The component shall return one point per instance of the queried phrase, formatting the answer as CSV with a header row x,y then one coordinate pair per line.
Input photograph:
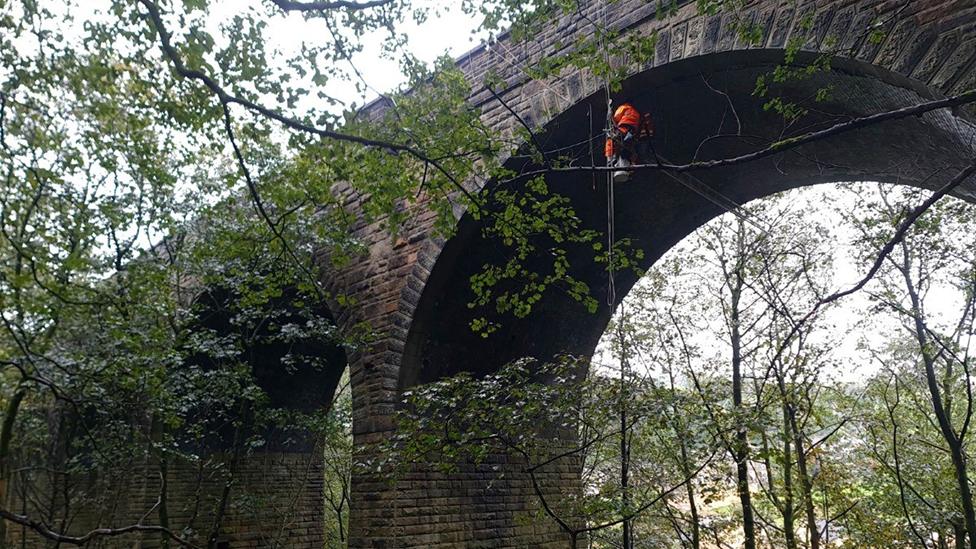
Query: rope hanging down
x,y
689,181
708,193
611,239
611,206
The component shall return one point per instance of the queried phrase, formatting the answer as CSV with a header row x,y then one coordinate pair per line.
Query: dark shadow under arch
x,y
693,101
297,374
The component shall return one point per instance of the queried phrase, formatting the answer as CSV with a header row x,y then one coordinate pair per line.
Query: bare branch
x,y
906,224
259,204
287,5
782,145
84,539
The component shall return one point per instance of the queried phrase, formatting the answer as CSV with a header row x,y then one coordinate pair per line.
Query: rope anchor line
x,y
707,192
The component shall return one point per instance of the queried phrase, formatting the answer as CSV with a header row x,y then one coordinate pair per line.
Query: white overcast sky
x,y
853,325
450,32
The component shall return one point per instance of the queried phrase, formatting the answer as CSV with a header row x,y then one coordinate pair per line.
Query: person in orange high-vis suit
x,y
629,141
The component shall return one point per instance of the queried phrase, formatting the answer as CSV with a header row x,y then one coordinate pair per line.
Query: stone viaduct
x,y
414,289
699,84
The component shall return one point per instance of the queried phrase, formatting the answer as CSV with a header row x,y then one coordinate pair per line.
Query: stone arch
x,y
656,213
927,52
691,99
276,497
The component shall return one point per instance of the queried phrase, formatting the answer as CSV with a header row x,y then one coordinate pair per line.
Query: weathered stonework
x,y
407,287
275,501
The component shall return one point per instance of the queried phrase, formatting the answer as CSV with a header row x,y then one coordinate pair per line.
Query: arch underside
x,y
296,374
704,108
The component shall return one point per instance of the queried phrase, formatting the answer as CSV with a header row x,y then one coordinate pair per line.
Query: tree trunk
x,y
6,434
965,494
156,434
806,487
741,447
944,421
686,468
627,535
789,527
806,484
163,497
237,449
692,502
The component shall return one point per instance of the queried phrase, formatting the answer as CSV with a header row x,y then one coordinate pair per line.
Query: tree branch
x,y
287,5
259,204
227,98
84,539
782,145
907,223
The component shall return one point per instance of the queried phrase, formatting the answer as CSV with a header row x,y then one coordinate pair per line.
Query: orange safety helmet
x,y
627,115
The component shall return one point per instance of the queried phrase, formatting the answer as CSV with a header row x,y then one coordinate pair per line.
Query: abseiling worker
x,y
629,141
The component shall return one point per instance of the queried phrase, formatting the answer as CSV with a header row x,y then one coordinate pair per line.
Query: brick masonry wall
x,y
930,42
276,501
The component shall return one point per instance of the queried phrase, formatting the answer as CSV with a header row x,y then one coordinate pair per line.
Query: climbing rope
x,y
611,239
611,193
707,192
689,181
